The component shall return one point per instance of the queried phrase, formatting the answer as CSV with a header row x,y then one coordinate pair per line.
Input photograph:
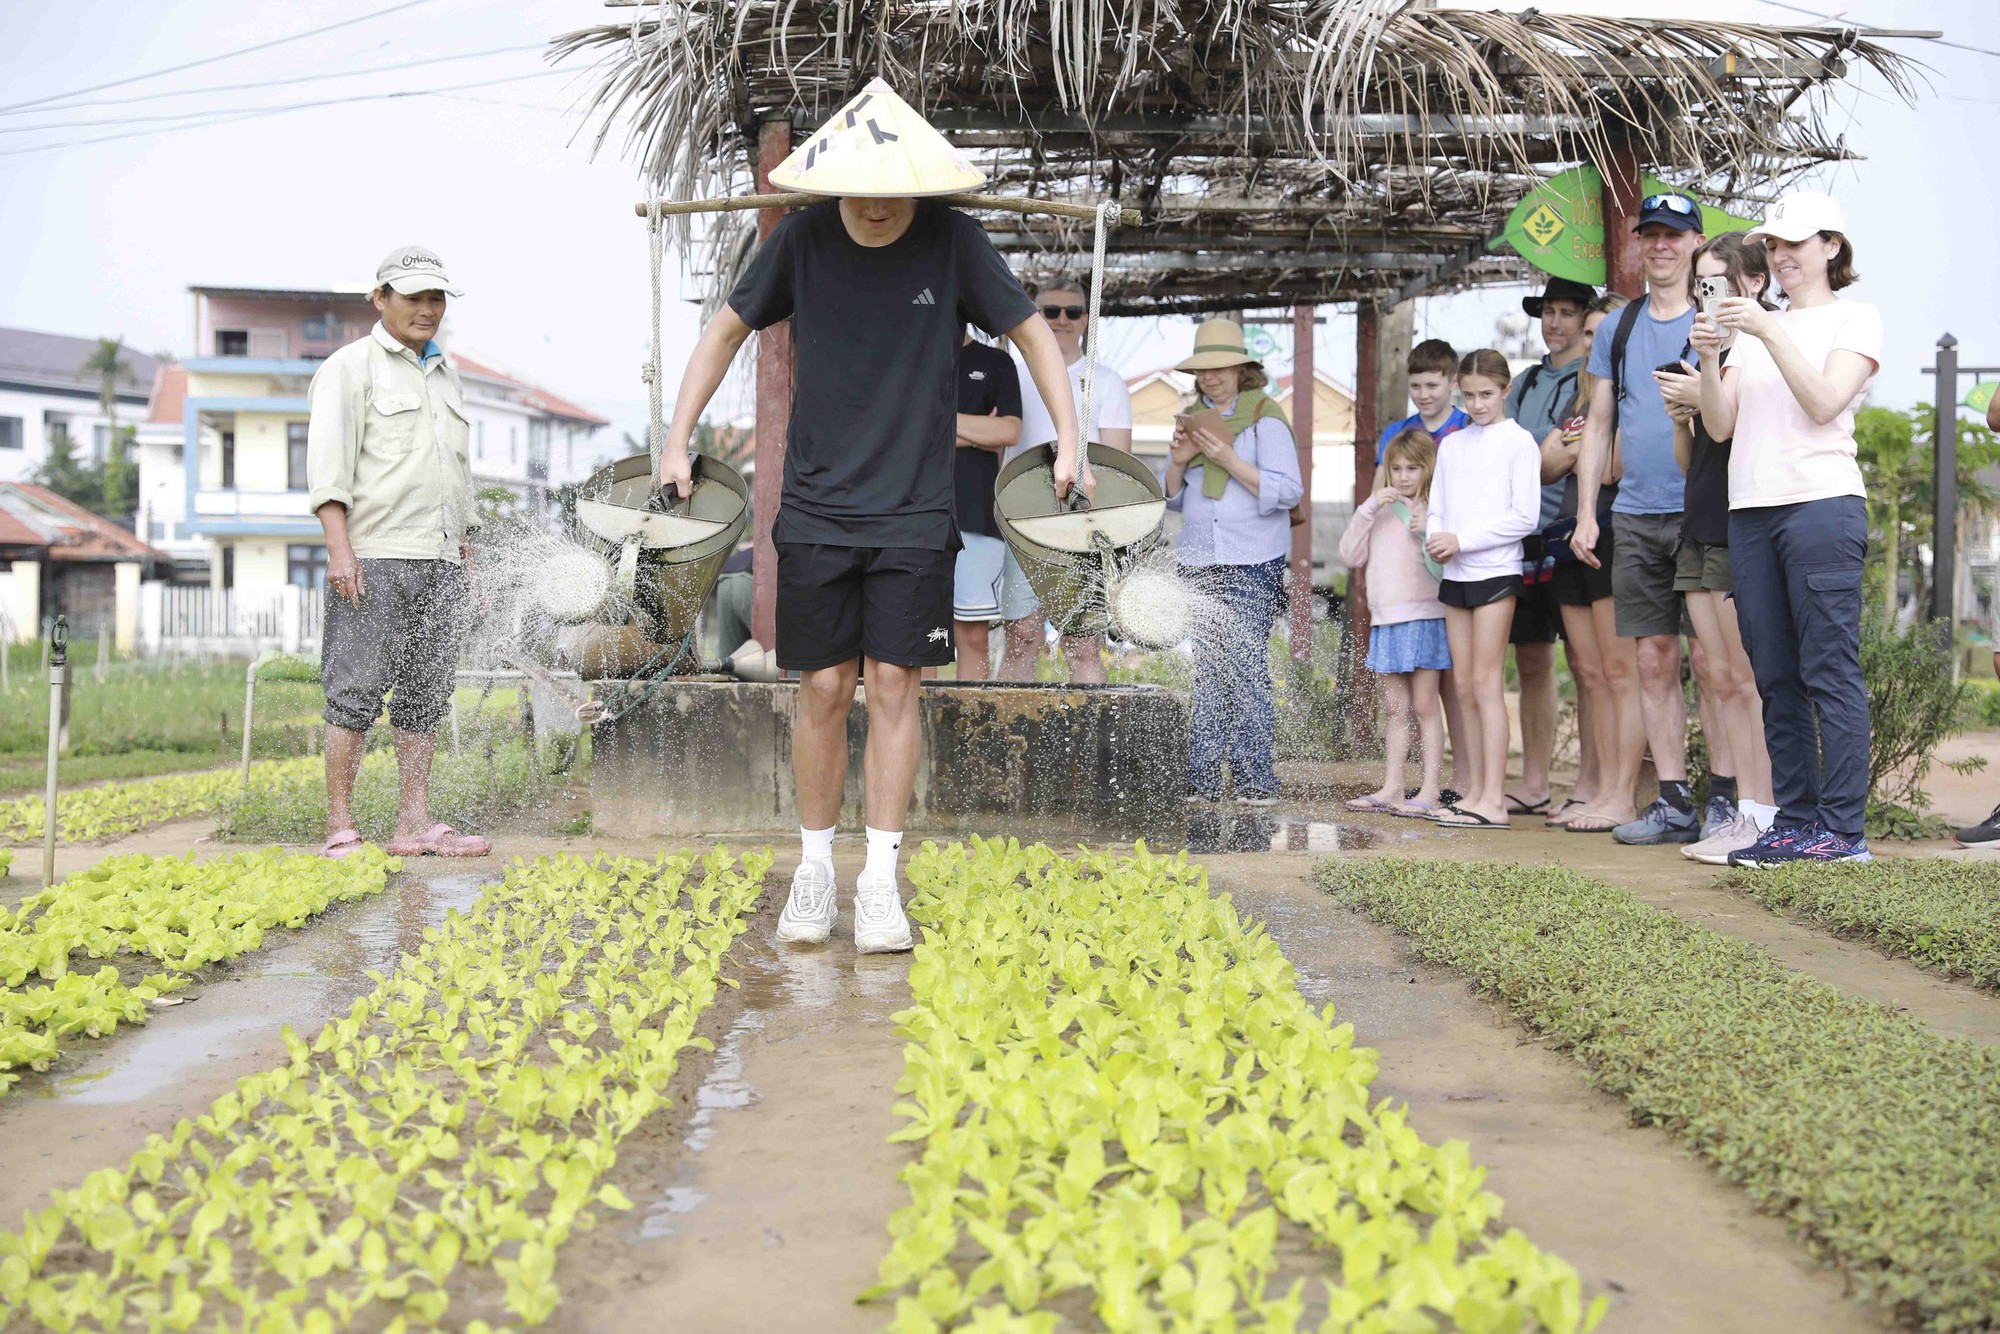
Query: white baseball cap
x,y
1796,216
411,269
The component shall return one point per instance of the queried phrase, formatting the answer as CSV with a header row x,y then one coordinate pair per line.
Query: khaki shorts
x,y
1642,575
1701,568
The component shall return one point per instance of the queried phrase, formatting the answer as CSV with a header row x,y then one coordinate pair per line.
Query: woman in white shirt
x,y
1798,521
1063,305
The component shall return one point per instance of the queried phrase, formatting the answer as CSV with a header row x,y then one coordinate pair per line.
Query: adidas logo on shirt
x,y
924,298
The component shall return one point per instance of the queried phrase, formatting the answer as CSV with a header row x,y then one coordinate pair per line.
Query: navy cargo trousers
x,y
1796,572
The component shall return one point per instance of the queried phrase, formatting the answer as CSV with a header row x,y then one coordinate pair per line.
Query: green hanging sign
x,y
1559,226
1980,397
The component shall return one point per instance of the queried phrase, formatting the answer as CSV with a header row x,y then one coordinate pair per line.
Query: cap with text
x,y
1799,215
412,269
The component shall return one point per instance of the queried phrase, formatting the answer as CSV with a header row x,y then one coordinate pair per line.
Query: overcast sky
x,y
103,238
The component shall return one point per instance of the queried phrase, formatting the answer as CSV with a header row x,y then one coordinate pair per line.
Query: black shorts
x,y
1576,584
1467,594
835,604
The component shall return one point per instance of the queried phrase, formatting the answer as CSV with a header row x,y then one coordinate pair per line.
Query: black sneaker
x,y
1772,845
1985,834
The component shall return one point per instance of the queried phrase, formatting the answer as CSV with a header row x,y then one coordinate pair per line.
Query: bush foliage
x,y
1945,914
1870,1135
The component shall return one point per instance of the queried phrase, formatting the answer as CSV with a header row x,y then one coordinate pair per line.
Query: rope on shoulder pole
x,y
1107,211
656,247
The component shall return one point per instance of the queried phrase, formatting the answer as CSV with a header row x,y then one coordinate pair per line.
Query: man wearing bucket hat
x,y
878,279
388,477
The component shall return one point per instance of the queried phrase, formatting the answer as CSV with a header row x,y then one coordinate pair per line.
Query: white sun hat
x,y
1799,215
877,146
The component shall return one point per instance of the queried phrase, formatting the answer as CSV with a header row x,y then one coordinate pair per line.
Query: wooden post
x,y
1368,410
1623,272
1304,388
1944,495
774,410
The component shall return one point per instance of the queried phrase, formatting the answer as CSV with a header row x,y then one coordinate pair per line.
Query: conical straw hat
x,y
877,146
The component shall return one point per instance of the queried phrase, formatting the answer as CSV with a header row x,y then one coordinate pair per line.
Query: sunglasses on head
x,y
1062,312
1672,203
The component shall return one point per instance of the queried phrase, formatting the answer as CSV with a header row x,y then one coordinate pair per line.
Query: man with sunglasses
x,y
1646,515
1062,303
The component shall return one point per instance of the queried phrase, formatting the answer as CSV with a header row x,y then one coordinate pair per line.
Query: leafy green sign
x,y
1559,226
1980,397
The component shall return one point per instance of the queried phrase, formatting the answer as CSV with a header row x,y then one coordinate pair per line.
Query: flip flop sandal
x,y
1559,817
1472,820
1516,806
1591,824
1414,810
440,840
341,844
1367,804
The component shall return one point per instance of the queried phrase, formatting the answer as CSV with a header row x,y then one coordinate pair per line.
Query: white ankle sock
x,y
883,847
1759,812
816,845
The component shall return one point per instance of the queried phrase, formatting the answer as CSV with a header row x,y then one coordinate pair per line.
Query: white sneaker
x,y
879,924
808,915
1733,836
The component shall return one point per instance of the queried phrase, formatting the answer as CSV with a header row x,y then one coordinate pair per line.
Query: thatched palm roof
x,y
1280,150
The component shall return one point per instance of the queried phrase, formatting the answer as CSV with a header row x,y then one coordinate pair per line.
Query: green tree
x,y
68,476
107,365
120,485
1897,452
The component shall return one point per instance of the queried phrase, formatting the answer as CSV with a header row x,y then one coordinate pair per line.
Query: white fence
x,y
197,619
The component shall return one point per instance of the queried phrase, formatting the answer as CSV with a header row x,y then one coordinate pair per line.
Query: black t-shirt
x,y
1705,507
875,344
987,386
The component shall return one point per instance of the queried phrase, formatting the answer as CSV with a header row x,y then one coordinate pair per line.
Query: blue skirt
x,y
1408,647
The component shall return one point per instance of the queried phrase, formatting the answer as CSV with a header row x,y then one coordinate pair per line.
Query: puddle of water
x,y
1213,831
659,1219
725,1088
300,978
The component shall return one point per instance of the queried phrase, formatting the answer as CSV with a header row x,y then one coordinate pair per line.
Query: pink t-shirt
x,y
1781,456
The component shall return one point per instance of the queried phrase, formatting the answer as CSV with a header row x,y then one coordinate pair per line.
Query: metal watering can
x,y
1073,550
665,552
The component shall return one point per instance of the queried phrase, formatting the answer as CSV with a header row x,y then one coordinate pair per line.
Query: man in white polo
x,y
389,480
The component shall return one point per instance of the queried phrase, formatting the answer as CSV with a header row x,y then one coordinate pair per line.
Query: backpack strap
x,y
1628,319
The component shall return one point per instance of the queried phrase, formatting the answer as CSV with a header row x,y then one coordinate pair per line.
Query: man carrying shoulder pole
x,y
878,282
390,482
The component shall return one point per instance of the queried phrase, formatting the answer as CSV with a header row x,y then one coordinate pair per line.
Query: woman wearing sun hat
x,y
1235,492
1798,520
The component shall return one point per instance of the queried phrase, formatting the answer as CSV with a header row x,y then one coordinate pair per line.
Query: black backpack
x,y
1628,318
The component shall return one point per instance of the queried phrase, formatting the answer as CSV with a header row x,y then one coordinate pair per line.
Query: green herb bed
x,y
121,808
168,911
1120,1094
468,791
1875,1139
421,1160
1944,914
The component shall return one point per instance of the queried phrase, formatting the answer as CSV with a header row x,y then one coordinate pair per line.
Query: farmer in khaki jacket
x,y
388,477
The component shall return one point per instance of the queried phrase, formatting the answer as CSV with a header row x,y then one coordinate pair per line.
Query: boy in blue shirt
x,y
1433,368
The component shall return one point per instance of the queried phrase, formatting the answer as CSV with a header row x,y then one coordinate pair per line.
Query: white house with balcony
x,y
222,457
43,393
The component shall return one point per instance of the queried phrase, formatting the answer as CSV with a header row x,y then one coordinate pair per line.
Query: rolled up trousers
x,y
1797,581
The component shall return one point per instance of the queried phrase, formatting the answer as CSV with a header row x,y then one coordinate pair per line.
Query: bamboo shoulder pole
x,y
996,203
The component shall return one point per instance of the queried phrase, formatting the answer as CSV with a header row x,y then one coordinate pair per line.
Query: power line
x,y
210,60
218,117
280,83
1841,18
207,112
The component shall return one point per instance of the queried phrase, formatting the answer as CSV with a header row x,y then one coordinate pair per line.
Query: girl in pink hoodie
x,y
1407,648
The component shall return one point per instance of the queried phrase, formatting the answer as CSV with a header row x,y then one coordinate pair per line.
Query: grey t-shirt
x,y
1536,402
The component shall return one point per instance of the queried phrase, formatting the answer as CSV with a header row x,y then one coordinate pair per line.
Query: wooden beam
x,y
1304,386
766,200
1622,268
774,412
1160,124
1367,426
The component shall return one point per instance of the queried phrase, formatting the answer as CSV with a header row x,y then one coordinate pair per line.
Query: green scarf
x,y
1251,406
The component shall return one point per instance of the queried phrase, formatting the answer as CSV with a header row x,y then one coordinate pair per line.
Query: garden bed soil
x,y
762,1200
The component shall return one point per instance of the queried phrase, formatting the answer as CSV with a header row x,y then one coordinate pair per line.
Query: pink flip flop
x,y
341,844
440,840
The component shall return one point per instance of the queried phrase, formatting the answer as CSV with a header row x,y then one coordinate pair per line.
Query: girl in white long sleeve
x,y
1485,497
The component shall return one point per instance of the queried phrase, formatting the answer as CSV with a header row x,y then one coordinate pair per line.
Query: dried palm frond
x,y
1356,117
